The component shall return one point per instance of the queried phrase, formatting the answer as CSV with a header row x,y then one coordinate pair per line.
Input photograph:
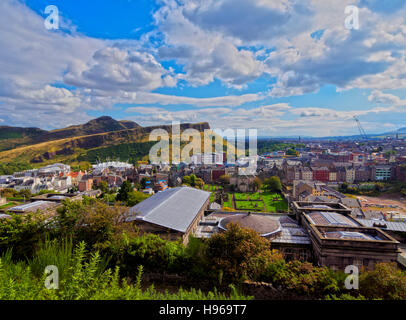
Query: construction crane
x,y
361,129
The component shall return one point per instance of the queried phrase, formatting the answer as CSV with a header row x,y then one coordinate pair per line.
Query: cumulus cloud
x,y
56,77
205,55
113,68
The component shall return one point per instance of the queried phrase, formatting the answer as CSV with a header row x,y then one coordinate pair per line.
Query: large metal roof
x,y
174,208
384,225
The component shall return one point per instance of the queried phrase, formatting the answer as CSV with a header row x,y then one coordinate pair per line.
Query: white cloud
x,y
118,69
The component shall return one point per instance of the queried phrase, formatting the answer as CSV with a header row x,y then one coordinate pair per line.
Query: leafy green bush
x,y
303,278
386,281
87,280
239,253
22,233
153,253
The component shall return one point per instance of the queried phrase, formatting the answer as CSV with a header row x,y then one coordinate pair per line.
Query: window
x,y
288,254
303,256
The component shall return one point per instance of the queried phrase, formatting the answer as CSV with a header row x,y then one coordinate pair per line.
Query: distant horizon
x,y
293,137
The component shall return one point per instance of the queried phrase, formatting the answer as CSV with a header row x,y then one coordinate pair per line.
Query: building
x,y
283,232
302,190
401,173
33,207
321,174
306,174
349,175
383,173
57,198
85,184
207,158
341,246
338,240
172,214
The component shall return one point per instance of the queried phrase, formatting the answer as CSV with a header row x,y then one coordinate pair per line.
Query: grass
x,y
249,205
240,196
212,197
255,196
229,202
274,202
6,205
263,202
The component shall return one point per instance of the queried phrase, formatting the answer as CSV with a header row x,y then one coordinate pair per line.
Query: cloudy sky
x,y
284,67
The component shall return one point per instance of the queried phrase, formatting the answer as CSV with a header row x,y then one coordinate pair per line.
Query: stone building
x,y
338,240
172,214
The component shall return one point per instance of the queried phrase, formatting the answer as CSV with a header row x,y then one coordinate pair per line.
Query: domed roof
x,y
265,226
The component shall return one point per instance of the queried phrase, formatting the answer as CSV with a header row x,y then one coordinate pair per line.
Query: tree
x,y
136,197
103,186
239,253
273,184
99,225
190,180
199,183
21,233
303,278
256,184
144,182
125,189
25,193
224,179
292,152
386,281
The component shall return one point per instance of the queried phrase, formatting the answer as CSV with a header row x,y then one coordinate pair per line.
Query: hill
x,y
12,137
100,139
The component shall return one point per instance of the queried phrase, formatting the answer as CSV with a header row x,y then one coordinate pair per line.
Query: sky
x,y
283,67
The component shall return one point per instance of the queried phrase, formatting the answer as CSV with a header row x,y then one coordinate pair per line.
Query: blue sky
x,y
284,67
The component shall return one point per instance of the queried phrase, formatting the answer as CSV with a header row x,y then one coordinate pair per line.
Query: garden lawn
x,y
229,202
240,196
274,202
249,205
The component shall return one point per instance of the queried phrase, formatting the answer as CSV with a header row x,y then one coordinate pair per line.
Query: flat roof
x,y
330,219
30,207
350,235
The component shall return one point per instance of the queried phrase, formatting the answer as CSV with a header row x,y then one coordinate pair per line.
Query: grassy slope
x,y
78,147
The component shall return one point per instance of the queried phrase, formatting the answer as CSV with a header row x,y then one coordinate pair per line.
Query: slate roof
x,y
174,208
384,225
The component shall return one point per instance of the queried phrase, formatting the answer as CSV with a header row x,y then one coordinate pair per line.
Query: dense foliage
x,y
266,145
11,167
272,184
82,278
117,249
131,152
239,253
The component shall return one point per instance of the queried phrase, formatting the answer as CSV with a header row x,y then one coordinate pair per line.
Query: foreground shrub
x,y
154,253
86,280
303,278
239,253
386,281
22,233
